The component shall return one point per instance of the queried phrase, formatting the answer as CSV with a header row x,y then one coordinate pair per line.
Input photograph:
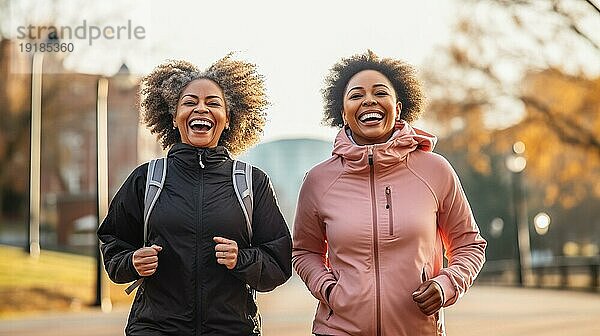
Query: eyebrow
x,y
194,96
375,85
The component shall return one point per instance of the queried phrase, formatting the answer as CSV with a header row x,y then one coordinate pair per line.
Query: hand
x,y
226,252
145,260
428,297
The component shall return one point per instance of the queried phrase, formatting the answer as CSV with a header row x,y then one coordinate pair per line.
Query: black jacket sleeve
x,y
268,263
122,231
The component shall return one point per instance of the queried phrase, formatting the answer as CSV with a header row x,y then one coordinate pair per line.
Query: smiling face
x,y
370,107
201,113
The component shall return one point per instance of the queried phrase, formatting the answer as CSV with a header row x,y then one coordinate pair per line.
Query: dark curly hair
x,y
402,76
242,87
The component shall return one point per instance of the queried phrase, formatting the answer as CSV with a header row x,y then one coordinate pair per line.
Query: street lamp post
x,y
102,290
122,80
35,148
516,164
36,158
541,224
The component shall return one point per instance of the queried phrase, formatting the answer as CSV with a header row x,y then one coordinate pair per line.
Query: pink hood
x,y
405,139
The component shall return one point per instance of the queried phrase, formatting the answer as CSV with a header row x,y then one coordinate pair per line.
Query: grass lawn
x,y
53,282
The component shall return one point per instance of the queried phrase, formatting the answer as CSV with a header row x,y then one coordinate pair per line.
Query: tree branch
x,y
591,3
571,22
568,131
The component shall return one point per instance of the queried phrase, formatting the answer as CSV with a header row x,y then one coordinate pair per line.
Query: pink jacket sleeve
x,y
310,244
465,248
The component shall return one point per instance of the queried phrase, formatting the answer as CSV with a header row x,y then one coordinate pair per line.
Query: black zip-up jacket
x,y
190,293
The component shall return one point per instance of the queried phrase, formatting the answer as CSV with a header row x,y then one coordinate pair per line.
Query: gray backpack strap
x,y
242,183
157,172
155,180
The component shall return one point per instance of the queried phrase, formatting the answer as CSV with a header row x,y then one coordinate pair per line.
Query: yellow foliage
x,y
559,153
552,193
561,121
570,171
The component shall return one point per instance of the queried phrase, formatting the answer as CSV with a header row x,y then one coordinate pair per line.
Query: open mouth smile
x,y
371,117
201,125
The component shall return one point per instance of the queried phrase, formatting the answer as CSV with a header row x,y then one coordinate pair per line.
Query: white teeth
x,y
201,122
371,115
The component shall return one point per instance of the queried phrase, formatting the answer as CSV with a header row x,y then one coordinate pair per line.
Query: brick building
x,y
68,154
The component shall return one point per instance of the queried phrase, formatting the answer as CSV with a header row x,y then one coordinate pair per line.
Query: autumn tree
x,y
525,71
14,135
15,110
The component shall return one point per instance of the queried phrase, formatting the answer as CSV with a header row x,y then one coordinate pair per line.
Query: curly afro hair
x,y
402,76
242,87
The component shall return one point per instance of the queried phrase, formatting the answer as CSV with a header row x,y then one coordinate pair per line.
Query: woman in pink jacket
x,y
374,220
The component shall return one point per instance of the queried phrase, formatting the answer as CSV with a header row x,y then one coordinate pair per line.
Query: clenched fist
x,y
226,252
428,297
145,260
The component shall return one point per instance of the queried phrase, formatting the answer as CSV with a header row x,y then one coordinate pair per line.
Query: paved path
x,y
488,311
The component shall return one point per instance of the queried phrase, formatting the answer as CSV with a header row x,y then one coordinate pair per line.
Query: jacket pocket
x,y
251,312
140,310
331,300
390,209
437,319
426,272
140,302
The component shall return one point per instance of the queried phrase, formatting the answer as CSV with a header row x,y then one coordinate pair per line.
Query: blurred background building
x,y
69,151
286,162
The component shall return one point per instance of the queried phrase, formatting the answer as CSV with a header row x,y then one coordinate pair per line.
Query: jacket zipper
x,y
200,159
198,291
388,198
375,240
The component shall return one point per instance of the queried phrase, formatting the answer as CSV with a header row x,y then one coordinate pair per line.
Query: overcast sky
x,y
294,43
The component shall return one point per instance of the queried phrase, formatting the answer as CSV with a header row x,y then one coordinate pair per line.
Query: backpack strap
x,y
155,180
242,183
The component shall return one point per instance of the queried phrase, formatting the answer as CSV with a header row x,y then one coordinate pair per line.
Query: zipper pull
x,y
200,159
388,192
370,151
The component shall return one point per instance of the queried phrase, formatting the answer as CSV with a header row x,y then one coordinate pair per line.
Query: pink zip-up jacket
x,y
373,222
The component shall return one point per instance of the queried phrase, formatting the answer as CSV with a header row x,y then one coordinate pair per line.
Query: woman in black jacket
x,y
200,266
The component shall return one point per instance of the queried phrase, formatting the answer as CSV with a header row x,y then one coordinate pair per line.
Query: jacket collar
x,y
404,140
191,155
